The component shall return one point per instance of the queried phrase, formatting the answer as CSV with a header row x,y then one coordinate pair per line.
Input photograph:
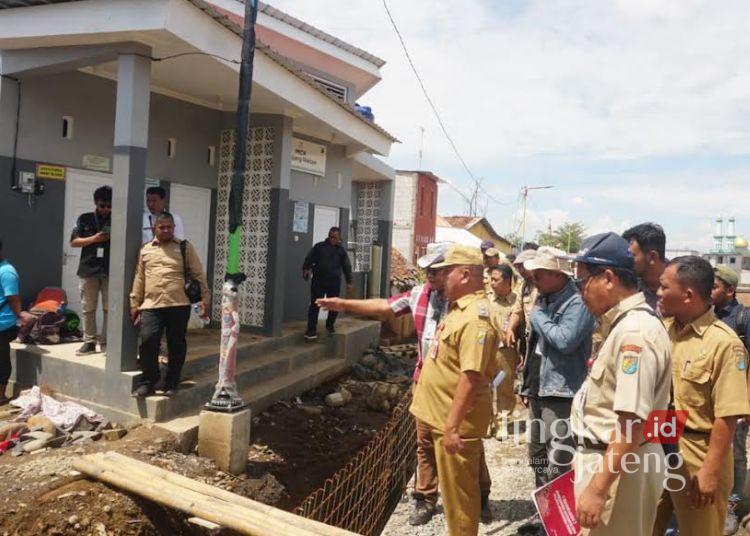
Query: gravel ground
x,y
510,498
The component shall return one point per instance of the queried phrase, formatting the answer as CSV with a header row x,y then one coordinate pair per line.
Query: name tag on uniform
x,y
99,253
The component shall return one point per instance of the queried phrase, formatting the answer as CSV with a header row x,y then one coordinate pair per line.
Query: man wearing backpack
x,y
737,317
159,302
91,234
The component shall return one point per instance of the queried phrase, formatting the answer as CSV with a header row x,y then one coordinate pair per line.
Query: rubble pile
x,y
404,275
392,363
37,422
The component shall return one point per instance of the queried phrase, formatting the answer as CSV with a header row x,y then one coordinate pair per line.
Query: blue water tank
x,y
365,111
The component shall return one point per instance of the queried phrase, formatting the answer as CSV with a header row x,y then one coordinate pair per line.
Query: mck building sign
x,y
308,157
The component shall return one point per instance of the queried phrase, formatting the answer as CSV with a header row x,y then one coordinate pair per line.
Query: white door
x,y
193,205
79,198
324,219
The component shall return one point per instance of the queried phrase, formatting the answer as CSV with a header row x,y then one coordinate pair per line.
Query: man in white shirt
x,y
156,201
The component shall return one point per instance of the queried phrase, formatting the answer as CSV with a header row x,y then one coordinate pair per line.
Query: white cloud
x,y
610,81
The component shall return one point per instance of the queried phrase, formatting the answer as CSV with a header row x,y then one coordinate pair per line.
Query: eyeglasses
x,y
583,281
104,205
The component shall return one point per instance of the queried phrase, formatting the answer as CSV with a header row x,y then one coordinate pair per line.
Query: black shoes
x,y
423,512
331,329
486,515
87,349
311,335
143,391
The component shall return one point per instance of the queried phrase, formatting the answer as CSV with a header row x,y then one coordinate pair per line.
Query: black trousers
x,y
6,336
320,288
154,322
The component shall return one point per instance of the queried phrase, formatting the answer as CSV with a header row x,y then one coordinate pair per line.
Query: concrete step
x,y
265,394
252,371
195,367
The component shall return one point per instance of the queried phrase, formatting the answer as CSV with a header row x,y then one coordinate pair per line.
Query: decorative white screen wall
x,y
256,216
368,215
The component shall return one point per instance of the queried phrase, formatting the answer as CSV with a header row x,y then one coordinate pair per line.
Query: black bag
x,y
192,286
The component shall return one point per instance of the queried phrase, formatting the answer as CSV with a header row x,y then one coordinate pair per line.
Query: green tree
x,y
566,236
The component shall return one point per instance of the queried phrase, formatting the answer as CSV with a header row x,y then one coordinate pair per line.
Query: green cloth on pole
x,y
233,261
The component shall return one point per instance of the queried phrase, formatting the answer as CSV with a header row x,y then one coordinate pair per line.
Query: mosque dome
x,y
740,243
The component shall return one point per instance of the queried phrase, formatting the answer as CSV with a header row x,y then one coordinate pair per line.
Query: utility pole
x,y
525,194
226,397
421,147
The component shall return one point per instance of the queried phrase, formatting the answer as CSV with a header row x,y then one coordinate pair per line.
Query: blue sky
x,y
634,110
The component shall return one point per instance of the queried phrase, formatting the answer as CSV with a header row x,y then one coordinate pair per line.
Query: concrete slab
x,y
64,352
185,430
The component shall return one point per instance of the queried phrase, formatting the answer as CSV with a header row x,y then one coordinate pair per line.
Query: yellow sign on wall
x,y
47,171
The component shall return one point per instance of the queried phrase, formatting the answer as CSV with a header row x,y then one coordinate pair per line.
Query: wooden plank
x,y
198,499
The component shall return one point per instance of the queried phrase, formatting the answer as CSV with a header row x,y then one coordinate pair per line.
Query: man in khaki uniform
x,y
492,258
521,311
453,395
708,377
502,301
619,477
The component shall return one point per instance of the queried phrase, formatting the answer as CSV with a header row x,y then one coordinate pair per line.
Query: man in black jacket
x,y
325,262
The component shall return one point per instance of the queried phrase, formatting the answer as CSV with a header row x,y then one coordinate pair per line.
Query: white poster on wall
x,y
308,157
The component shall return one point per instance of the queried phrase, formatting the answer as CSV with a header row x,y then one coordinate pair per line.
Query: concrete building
x,y
415,212
730,249
471,231
138,92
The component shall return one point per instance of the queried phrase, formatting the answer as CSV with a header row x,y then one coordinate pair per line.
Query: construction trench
x,y
340,453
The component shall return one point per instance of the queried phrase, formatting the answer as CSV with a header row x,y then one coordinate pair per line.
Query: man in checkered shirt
x,y
428,305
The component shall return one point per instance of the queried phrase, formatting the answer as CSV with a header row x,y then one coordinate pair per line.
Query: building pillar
x,y
385,234
279,227
129,172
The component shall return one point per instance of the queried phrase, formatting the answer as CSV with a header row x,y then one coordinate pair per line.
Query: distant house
x,y
414,212
469,230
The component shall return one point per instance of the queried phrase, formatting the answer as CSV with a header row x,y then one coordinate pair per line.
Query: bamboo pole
x,y
196,498
151,471
184,500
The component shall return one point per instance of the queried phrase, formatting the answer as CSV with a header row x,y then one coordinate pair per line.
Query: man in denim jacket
x,y
555,367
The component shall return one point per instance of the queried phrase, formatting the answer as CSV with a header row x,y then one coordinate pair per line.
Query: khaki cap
x,y
549,258
726,274
492,252
524,256
459,254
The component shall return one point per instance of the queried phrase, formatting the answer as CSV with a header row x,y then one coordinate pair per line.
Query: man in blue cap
x,y
619,476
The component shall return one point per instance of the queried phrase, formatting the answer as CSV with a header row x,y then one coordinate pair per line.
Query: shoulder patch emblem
x,y
740,357
480,338
483,310
631,354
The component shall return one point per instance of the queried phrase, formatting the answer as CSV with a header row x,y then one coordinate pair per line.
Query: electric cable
x,y
436,113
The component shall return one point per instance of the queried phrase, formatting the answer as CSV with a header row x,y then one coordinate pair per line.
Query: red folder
x,y
556,505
